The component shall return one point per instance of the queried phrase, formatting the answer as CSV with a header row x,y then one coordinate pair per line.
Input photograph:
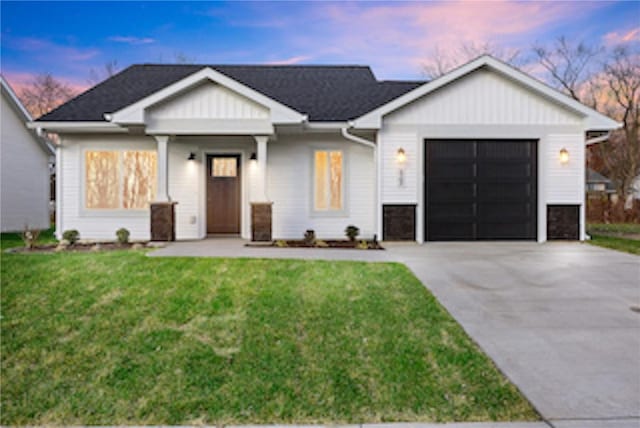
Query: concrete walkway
x,y
556,318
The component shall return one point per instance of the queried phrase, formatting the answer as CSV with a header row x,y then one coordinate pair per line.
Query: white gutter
x,y
599,139
360,140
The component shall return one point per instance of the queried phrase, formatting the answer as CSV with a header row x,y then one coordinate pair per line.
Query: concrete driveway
x,y
555,318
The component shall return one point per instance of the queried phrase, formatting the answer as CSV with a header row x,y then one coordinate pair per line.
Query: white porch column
x,y
261,141
163,168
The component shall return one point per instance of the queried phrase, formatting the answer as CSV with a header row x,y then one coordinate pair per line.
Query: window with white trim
x,y
124,179
328,180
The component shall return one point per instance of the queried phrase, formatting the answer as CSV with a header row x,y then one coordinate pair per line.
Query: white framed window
x,y
119,179
328,181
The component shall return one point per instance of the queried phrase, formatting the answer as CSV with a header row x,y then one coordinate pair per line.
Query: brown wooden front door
x,y
223,194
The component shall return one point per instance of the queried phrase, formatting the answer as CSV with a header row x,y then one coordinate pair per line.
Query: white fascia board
x,y
595,120
14,100
77,127
134,113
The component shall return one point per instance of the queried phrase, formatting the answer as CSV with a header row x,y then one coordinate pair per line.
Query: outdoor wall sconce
x,y
401,158
192,156
253,156
564,156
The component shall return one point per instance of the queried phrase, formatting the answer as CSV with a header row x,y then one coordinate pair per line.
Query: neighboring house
x,y
598,183
24,159
483,152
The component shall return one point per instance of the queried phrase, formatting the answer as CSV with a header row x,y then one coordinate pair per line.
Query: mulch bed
x,y
338,243
80,247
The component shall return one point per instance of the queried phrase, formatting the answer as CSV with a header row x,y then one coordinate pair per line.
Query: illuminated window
x,y
120,179
328,181
224,167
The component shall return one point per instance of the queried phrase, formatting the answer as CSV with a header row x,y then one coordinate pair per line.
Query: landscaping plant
x,y
352,232
72,236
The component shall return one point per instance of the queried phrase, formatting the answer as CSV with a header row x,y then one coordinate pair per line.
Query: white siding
x,y
565,182
483,97
209,101
290,187
24,197
95,224
394,189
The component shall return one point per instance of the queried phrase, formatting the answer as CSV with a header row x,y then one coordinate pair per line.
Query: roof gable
x,y
134,113
594,119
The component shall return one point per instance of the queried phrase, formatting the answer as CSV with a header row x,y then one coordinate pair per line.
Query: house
x,y
598,184
483,152
25,173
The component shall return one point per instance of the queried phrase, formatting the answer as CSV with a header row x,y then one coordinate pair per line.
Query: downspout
x,y
374,147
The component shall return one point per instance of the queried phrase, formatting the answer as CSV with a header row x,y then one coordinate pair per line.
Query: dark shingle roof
x,y
324,93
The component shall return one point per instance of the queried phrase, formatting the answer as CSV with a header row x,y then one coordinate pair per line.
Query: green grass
x,y
615,228
621,244
120,338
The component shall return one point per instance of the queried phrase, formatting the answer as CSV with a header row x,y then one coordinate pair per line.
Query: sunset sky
x,y
68,39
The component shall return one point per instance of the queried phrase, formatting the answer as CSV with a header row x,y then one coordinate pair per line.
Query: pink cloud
x,y
47,49
616,38
392,37
290,61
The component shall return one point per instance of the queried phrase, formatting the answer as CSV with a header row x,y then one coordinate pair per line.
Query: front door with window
x,y
223,194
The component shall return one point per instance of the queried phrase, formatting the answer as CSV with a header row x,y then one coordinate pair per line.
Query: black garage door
x,y
480,189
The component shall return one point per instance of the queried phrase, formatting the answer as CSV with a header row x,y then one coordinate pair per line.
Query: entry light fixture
x,y
253,156
192,156
564,156
401,156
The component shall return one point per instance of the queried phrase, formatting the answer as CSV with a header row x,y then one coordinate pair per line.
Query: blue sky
x,y
68,39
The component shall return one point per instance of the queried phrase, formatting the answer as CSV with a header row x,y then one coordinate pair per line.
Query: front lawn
x,y
616,236
120,338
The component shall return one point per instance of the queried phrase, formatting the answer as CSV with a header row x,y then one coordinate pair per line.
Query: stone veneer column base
x,y
563,222
163,227
261,213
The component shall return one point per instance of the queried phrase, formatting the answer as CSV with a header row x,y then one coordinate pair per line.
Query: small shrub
x,y
123,236
310,237
352,232
281,244
30,237
71,235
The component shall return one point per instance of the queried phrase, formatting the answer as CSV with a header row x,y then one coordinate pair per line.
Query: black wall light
x,y
253,156
192,156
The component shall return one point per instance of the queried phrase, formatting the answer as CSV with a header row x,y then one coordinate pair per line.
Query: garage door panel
x,y
453,170
502,230
494,213
452,231
480,189
460,149
496,192
452,191
504,170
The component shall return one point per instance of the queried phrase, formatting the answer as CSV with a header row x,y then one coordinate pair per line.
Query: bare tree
x,y
44,93
441,61
621,155
568,65
110,69
608,81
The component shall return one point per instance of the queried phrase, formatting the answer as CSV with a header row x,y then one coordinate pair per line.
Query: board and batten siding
x,y
209,101
484,105
290,187
96,224
25,175
486,98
